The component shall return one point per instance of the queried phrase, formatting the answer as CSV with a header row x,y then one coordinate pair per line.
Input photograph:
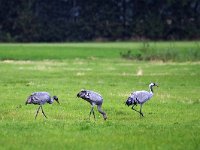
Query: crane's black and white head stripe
x,y
153,84
82,93
56,99
129,101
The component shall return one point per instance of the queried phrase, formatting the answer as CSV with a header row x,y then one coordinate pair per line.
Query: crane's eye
x,y
55,97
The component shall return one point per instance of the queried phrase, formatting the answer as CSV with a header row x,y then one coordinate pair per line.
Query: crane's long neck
x,y
50,101
151,88
102,112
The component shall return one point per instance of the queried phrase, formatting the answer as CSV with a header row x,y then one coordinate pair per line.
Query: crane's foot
x,y
94,115
43,112
141,114
37,111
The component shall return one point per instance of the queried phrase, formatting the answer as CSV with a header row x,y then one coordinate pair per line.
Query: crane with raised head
x,y
140,97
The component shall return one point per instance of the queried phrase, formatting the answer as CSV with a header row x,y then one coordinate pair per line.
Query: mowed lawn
x,y
171,118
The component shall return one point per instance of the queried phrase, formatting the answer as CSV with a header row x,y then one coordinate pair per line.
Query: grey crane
x,y
140,97
40,98
94,99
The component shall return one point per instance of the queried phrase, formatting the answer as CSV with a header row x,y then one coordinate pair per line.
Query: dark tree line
x,y
83,20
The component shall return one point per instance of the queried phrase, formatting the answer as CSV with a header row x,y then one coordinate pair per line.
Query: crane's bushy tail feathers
x,y
28,101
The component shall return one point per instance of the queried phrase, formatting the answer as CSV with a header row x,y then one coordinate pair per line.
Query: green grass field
x,y
164,51
172,116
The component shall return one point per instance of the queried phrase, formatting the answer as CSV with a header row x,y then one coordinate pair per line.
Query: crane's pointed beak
x,y
78,95
126,104
58,102
156,84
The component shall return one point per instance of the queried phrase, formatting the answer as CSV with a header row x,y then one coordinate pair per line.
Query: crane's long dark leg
x,y
140,112
135,109
102,112
37,111
43,112
92,111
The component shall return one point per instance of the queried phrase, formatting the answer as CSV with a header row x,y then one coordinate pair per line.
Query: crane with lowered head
x,y
40,98
94,99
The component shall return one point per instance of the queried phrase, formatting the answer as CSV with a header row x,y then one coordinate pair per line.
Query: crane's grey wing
x,y
32,99
142,96
40,97
41,94
94,97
